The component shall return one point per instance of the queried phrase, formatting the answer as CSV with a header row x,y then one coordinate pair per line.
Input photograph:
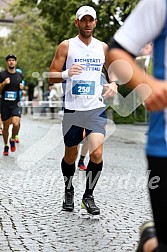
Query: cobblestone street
x,y
31,193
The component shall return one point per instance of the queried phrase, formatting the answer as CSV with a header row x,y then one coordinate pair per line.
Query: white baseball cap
x,y
85,10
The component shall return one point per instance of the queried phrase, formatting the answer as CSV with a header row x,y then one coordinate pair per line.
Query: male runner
x,y
83,58
10,85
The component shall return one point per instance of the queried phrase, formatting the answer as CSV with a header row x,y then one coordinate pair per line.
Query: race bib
x,y
10,95
81,88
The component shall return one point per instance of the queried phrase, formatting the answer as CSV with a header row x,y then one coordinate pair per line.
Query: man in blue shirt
x,y
148,23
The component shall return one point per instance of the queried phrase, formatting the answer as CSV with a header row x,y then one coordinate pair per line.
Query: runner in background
x,y
52,97
1,124
84,151
85,147
10,85
21,93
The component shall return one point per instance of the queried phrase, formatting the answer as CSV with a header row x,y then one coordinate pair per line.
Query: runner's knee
x,y
96,156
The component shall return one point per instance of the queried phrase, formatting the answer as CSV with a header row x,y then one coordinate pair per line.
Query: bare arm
x,y
105,48
111,88
136,76
56,75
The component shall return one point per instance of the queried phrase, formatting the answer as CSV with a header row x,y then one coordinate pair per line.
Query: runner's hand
x,y
21,86
75,70
110,89
158,98
7,81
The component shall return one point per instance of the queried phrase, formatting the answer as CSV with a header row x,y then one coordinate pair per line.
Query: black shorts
x,y
74,123
9,109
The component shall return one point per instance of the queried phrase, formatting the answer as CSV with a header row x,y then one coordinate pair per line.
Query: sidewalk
x,y
132,132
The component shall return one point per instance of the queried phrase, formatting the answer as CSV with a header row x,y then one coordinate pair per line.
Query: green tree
x,y
29,42
111,14
59,16
41,27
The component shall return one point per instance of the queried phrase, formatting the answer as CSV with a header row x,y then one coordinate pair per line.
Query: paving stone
x,y
31,193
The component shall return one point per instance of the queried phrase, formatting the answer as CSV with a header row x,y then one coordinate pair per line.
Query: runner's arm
x,y
157,99
56,74
4,83
149,16
110,89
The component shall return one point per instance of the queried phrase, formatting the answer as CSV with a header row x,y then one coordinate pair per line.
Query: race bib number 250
x,y
83,88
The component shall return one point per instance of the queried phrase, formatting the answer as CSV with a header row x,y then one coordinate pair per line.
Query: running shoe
x,y
147,231
0,131
81,165
88,203
17,139
12,145
6,150
68,203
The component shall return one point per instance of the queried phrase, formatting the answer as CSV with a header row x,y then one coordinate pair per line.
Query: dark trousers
x,y
158,195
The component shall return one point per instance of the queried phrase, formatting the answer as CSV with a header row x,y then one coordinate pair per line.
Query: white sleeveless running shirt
x,y
84,91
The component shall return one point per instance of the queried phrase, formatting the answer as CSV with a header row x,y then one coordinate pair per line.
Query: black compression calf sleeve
x,y
161,248
68,173
157,188
92,175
